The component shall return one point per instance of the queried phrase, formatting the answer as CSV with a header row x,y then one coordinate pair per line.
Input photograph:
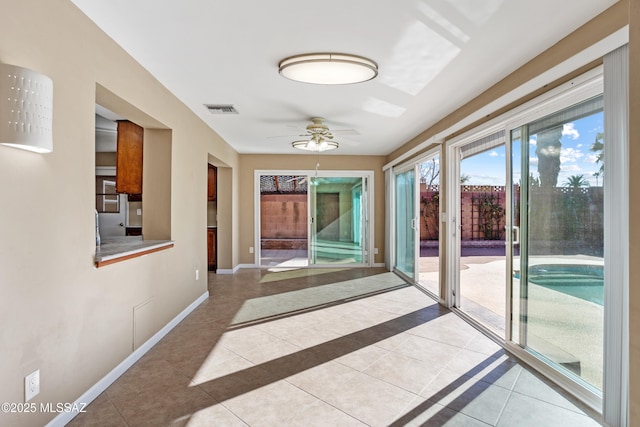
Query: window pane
x,y
564,265
429,271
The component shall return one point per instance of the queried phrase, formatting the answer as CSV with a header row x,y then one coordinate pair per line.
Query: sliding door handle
x,y
515,235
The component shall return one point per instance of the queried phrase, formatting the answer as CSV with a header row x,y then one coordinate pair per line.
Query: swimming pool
x,y
581,281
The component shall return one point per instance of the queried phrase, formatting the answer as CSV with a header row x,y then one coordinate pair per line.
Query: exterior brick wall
x,y
283,216
562,218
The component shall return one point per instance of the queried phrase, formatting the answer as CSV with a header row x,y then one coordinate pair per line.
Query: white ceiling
x,y
433,56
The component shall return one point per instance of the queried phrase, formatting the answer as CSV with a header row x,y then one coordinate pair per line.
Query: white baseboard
x,y
235,269
88,396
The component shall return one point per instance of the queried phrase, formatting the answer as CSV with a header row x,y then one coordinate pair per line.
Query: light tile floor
x,y
391,359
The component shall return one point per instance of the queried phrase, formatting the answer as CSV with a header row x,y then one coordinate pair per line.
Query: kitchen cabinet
x,y
212,176
133,231
211,248
129,158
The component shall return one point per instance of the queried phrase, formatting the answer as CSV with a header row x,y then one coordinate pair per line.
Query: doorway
x,y
312,218
481,230
527,237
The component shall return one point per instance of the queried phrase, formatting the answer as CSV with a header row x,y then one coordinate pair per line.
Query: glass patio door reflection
x,y
338,228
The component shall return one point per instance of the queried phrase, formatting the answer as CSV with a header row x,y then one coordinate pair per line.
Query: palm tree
x,y
598,148
576,181
597,175
548,150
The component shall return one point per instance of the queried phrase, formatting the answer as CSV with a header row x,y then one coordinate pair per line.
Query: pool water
x,y
581,281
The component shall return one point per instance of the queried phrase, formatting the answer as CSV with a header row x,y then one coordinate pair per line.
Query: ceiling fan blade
x,y
347,141
288,136
320,130
281,136
350,132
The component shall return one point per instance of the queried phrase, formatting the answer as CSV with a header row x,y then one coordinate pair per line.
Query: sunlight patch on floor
x,y
283,273
273,305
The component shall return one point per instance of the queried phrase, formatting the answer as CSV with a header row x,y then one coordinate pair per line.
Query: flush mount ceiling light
x,y
328,68
26,104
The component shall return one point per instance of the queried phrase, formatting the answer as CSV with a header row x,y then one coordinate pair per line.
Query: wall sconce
x,y
26,107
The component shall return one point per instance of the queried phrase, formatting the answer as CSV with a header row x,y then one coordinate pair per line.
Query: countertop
x,y
120,247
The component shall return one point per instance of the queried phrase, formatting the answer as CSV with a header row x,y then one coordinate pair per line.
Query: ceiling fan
x,y
319,137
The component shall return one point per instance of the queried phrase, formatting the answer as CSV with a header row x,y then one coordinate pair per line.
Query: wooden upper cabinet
x,y
129,158
211,183
211,249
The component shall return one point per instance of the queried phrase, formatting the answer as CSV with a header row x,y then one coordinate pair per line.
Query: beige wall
x,y
58,312
249,163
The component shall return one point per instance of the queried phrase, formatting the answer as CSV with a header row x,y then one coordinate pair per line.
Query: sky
x,y
576,157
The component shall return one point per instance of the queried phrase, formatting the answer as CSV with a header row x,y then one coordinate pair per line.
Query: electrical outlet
x,y
31,385
197,274
375,251
250,249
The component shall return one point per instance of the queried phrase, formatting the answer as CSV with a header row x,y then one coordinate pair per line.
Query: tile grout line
x,y
319,399
118,411
506,402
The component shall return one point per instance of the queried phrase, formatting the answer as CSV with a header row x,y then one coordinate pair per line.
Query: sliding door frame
x,y
579,89
368,220
402,169
452,296
580,92
413,164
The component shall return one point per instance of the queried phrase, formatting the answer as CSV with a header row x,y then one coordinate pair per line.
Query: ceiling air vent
x,y
221,108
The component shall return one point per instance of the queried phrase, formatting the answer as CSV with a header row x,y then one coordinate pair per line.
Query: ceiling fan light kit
x,y
319,137
328,68
320,144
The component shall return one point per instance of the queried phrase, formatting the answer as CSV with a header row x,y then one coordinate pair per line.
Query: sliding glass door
x,y
338,226
313,219
417,223
283,213
528,239
428,229
558,278
405,223
481,230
